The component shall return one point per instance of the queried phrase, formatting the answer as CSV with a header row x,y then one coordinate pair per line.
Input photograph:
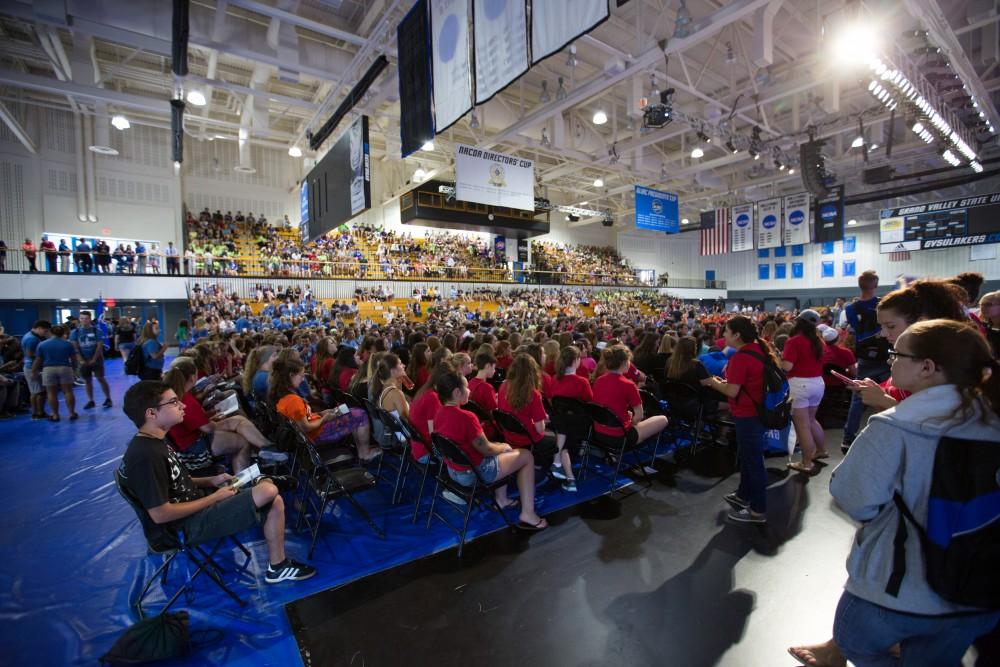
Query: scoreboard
x,y
942,224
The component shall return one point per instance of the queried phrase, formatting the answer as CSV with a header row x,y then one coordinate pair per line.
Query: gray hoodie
x,y
896,453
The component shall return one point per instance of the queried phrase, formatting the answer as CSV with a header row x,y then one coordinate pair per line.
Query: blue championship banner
x,y
656,210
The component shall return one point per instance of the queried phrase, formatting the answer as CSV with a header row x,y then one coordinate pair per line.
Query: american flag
x,y
715,232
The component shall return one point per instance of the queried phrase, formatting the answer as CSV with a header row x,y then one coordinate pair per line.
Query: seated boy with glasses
x,y
204,508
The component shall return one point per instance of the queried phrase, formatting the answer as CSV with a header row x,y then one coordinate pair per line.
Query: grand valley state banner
x,y
494,179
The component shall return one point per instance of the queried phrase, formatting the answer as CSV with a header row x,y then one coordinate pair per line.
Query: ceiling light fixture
x,y
196,97
474,121
598,182
697,152
600,118
685,221
731,147
682,24
419,174
571,60
428,145
120,122
295,151
852,222
560,90
545,98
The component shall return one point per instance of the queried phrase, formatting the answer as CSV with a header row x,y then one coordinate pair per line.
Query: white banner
x,y
555,23
796,219
452,70
494,179
501,29
742,237
769,223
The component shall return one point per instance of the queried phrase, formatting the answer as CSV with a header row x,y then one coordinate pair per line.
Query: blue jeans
x,y
865,632
877,372
750,456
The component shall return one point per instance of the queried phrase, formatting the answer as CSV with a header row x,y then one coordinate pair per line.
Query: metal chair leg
x,y
420,492
437,487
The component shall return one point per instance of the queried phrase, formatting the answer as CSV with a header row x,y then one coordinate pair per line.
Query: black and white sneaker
x,y
288,570
736,502
557,472
746,516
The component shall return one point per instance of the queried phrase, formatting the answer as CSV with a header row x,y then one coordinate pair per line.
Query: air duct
x,y
102,133
81,177
90,167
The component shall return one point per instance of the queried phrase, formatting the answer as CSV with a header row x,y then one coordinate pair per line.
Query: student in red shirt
x,y
504,357
344,368
587,363
569,385
424,409
744,387
837,355
519,395
419,367
493,460
802,361
481,391
620,395
537,352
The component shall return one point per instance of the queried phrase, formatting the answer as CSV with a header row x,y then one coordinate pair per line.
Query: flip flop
x,y
513,502
533,527
822,455
801,468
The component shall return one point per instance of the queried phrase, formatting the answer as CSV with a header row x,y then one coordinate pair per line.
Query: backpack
x,y
874,349
776,409
961,541
136,360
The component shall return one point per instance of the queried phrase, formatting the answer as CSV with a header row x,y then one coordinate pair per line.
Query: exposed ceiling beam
x,y
11,121
295,19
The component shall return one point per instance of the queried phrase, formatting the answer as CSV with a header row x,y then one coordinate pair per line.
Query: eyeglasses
x,y
894,354
172,401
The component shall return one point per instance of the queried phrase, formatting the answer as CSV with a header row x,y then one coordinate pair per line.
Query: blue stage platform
x,y
73,554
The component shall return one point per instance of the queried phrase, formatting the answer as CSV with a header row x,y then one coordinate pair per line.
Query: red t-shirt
x,y
505,361
747,372
323,375
528,415
573,386
619,394
482,393
344,379
798,350
422,410
188,431
461,427
547,382
550,367
836,355
422,376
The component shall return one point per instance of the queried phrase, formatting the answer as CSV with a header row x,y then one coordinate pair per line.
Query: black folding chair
x,y
161,540
342,397
498,377
618,446
484,416
686,408
571,419
397,437
425,468
325,483
480,493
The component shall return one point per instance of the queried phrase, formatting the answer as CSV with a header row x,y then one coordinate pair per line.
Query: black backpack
x,y
961,541
776,409
136,360
874,349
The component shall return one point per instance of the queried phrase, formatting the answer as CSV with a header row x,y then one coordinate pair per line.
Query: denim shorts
x,y
488,469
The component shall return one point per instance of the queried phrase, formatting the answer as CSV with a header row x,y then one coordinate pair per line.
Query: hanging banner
x,y
656,210
416,118
522,250
556,23
452,67
500,248
796,227
830,217
742,237
769,223
501,45
494,178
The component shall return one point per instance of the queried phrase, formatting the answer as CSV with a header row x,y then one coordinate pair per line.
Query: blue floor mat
x,y
73,554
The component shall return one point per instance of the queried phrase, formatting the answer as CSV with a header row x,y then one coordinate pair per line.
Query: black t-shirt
x,y
155,475
126,333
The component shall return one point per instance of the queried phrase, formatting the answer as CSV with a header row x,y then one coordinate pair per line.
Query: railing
x,y
245,266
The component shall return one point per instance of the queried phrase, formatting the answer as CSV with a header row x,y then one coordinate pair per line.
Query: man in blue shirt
x,y
141,254
870,349
29,344
89,343
84,262
242,324
54,360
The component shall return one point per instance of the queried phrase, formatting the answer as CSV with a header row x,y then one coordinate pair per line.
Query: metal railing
x,y
264,268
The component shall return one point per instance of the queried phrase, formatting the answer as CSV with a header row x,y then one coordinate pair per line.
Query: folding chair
x,y
432,463
325,483
686,408
166,542
448,450
481,413
498,377
571,419
615,445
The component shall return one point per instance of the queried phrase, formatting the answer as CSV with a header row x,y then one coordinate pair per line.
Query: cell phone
x,y
843,378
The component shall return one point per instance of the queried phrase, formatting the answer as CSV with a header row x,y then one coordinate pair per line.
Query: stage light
x,y
598,182
858,142
856,42
697,152
295,151
732,147
428,146
120,122
600,118
976,167
196,97
791,171
918,127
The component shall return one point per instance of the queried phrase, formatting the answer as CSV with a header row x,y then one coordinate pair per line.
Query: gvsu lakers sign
x,y
494,179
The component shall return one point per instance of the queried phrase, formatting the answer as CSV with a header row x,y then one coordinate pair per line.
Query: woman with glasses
x,y
954,387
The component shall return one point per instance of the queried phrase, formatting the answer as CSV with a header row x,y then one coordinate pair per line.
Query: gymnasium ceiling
x,y
277,68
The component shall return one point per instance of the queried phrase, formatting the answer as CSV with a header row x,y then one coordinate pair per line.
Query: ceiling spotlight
x,y
697,152
732,147
428,145
858,142
419,174
685,221
704,137
196,97
791,170
600,118
545,97
545,138
571,59
654,90
598,182
918,127
474,121
682,24
120,122
852,222
295,151
561,90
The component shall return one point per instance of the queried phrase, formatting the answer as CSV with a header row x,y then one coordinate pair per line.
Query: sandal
x,y
821,455
533,527
511,502
807,657
797,465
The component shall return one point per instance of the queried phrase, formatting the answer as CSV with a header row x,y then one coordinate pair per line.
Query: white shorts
x,y
806,392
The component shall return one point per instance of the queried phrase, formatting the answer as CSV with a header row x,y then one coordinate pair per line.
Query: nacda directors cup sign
x,y
494,179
